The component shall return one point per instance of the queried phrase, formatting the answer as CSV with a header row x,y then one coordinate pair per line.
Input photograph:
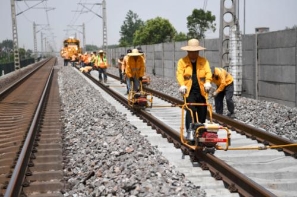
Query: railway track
x,y
252,168
243,173
31,148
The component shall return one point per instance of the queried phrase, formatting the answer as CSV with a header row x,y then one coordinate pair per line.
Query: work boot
x,y
231,115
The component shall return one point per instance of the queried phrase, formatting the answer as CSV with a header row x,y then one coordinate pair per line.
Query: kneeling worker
x,y
225,87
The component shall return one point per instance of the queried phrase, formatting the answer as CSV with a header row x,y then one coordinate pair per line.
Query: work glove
x,y
182,89
140,78
215,93
131,79
207,86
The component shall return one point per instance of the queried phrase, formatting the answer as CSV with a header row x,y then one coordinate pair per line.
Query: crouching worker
x,y
86,63
225,88
194,76
86,69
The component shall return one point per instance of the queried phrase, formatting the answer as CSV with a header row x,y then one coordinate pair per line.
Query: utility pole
x,y
15,37
35,41
243,17
84,37
224,39
103,17
35,38
104,25
231,44
45,49
41,44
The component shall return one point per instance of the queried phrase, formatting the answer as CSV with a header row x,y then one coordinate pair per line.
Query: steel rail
x,y
14,187
10,87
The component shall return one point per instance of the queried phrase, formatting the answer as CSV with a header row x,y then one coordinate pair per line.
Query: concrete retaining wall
x,y
269,68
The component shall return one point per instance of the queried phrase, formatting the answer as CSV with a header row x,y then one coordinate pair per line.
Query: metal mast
x,y
224,39
15,37
104,25
41,44
231,44
84,36
35,41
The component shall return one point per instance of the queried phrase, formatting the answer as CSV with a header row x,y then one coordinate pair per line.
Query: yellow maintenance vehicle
x,y
71,50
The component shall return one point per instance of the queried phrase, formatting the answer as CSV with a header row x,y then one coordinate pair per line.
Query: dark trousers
x,y
102,71
200,110
228,93
121,75
65,62
128,83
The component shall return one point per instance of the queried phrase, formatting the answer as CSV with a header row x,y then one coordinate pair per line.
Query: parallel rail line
x,y
22,105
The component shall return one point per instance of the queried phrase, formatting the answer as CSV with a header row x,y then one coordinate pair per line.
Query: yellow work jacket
x,y
120,63
221,78
101,61
135,67
184,73
93,58
124,65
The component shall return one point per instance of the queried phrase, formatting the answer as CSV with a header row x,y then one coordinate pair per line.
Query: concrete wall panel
x,y
248,42
168,55
278,39
277,56
168,46
158,47
248,88
272,73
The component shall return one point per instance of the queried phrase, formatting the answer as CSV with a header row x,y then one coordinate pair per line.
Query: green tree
x,y
22,53
199,22
8,44
131,24
6,51
29,53
180,37
154,31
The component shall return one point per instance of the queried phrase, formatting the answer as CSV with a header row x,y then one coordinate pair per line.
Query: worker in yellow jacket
x,y
194,76
135,68
101,65
225,88
124,65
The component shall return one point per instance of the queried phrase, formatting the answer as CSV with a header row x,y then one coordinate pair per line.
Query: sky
x,y
65,19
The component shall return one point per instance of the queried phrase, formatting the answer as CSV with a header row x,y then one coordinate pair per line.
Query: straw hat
x,y
193,45
101,51
134,53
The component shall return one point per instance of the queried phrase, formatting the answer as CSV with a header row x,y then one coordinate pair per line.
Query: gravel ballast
x,y
102,144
